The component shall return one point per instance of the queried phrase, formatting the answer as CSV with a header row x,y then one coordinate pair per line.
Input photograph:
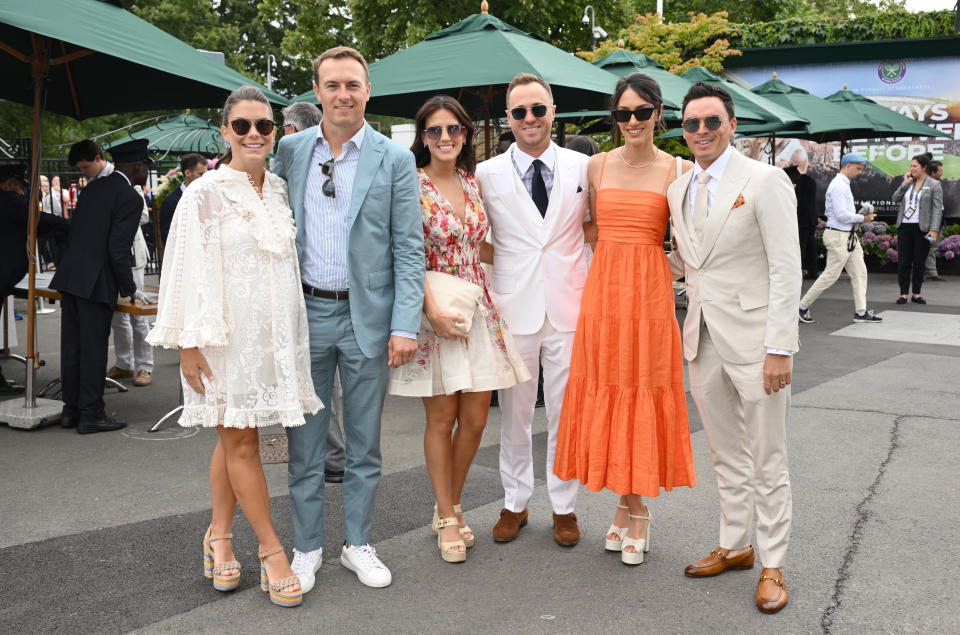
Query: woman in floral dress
x,y
454,369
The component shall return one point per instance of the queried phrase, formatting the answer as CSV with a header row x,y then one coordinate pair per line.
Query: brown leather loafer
x,y
116,372
771,591
565,529
509,525
718,562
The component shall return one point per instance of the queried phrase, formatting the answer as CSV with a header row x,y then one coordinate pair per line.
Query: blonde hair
x,y
339,52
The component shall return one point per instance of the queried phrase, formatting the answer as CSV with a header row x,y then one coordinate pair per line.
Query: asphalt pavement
x,y
101,533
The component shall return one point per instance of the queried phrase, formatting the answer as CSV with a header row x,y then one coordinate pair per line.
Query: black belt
x,y
845,231
323,293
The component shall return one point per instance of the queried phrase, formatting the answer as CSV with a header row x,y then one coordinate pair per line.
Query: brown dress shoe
x,y
718,562
143,378
771,591
565,530
509,525
119,373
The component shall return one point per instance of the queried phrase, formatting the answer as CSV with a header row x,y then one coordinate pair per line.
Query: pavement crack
x,y
863,515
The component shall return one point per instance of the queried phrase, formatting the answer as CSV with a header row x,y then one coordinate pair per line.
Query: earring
x,y
226,144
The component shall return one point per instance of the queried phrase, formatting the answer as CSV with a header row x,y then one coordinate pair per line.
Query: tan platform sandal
x,y
469,542
278,594
447,548
640,545
213,571
615,544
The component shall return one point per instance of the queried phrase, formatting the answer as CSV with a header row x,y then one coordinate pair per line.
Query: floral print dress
x,y
489,359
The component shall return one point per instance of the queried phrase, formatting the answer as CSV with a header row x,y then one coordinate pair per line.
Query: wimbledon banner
x,y
927,90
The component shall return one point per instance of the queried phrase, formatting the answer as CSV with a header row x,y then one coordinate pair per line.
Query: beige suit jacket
x,y
743,278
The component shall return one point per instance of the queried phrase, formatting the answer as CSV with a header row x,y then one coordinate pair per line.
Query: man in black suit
x,y
806,190
193,166
14,222
93,272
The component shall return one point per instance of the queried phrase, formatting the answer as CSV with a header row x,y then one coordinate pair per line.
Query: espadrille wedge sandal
x,y
278,593
221,582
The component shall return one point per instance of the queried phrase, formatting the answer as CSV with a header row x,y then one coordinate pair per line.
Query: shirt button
x,y
700,272
328,261
329,211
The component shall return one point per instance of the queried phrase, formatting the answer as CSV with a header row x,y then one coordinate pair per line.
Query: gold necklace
x,y
656,154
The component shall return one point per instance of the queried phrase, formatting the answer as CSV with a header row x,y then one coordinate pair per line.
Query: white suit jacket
x,y
539,263
743,278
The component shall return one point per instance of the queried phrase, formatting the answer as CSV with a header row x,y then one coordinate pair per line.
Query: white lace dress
x,y
231,287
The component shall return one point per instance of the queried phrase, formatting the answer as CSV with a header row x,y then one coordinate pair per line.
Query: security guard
x,y
14,221
95,270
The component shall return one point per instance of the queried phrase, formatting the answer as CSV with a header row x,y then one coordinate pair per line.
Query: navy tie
x,y
539,189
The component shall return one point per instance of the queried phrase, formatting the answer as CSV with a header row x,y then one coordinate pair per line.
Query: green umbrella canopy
x,y
179,134
105,60
473,61
749,107
622,62
882,116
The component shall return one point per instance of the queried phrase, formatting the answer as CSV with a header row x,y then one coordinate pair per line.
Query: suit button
x,y
700,272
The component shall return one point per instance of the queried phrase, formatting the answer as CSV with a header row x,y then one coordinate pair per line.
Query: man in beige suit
x,y
735,227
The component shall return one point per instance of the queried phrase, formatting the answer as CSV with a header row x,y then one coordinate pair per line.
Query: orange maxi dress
x,y
624,420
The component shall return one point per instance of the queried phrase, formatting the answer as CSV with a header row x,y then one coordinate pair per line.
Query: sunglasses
x,y
520,112
622,115
692,124
242,126
433,133
328,188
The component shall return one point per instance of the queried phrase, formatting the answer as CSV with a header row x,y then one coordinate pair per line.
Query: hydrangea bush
x,y
880,240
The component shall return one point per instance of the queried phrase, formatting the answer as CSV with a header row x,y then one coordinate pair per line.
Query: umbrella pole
x,y
39,63
488,105
773,148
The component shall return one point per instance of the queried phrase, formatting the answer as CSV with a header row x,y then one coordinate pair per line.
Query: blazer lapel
x,y
527,213
300,169
559,197
730,187
371,154
677,198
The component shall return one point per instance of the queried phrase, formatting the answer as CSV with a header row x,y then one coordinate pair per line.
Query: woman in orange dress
x,y
624,421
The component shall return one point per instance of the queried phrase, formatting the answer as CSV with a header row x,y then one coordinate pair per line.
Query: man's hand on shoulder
x,y
400,350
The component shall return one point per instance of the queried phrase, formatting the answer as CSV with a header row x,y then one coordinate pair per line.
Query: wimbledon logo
x,y
892,71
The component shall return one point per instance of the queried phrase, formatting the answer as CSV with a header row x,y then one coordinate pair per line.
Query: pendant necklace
x,y
656,154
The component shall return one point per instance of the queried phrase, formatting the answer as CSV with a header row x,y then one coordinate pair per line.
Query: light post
x,y
271,60
589,22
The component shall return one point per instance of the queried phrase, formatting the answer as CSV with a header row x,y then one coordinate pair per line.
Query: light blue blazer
x,y
385,255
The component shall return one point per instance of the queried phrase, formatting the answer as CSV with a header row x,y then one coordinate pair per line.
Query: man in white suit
x,y
535,195
735,227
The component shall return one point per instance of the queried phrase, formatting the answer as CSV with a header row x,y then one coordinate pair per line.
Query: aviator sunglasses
x,y
692,124
242,126
520,112
328,188
433,133
622,115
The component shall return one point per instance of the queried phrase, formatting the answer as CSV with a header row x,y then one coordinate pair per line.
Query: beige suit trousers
x,y
746,429
838,258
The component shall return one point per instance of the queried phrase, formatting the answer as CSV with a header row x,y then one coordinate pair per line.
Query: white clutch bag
x,y
454,295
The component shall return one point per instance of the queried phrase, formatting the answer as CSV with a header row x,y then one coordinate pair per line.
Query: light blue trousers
x,y
333,346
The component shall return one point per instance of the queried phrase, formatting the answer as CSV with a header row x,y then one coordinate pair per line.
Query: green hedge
x,y
891,25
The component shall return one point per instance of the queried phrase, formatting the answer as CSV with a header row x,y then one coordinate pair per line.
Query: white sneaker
x,y
363,561
305,566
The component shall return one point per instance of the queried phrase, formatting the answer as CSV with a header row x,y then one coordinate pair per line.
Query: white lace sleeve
x,y
191,302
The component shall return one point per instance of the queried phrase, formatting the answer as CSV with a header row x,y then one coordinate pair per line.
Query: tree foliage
x,y
699,41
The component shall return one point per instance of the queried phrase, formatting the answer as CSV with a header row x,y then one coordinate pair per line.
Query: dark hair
x,y
924,160
86,150
244,93
643,85
190,161
582,144
504,141
793,172
933,166
467,159
703,89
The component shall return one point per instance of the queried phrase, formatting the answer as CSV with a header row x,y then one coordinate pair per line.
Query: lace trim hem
x,y
213,416
172,337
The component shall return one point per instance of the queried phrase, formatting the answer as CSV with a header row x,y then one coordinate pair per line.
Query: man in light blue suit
x,y
356,202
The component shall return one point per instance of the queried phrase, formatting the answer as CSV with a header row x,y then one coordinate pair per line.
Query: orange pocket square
x,y
739,202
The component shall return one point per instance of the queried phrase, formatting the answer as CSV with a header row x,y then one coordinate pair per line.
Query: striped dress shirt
x,y
326,226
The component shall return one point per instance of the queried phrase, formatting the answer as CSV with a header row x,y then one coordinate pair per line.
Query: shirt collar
x,y
106,171
524,160
357,139
843,177
716,168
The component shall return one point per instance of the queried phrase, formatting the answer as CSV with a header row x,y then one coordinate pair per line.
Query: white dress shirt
x,y
839,205
523,163
912,200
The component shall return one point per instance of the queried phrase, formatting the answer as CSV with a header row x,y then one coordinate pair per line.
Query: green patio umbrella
x,y
473,61
84,58
749,106
179,134
890,119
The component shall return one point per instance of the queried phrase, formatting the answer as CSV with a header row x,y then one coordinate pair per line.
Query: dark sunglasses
x,y
433,133
622,115
328,188
692,124
242,126
520,112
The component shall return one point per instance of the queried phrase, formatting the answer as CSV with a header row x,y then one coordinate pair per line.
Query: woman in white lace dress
x,y
231,301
